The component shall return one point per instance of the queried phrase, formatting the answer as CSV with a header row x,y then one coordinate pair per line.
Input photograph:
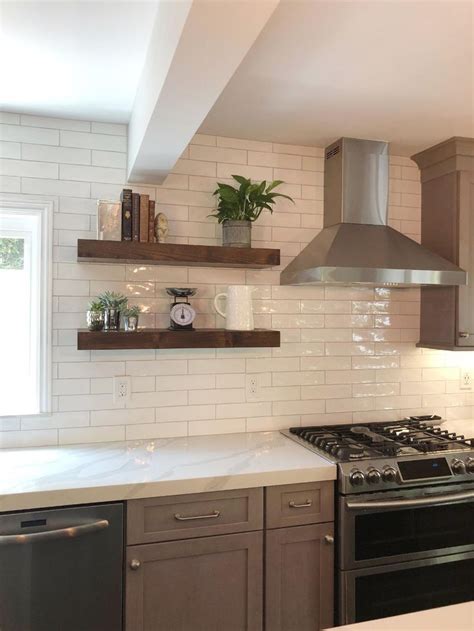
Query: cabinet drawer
x,y
197,515
299,504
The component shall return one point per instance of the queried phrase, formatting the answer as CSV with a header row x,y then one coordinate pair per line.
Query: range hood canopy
x,y
356,245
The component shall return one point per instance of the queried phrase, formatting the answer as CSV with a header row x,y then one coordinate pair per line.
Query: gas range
x,y
390,455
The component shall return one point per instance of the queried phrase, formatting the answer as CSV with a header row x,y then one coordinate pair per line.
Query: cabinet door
x,y
465,332
207,584
299,573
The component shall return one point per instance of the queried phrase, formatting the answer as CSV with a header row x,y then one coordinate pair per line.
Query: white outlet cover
x,y
122,390
466,379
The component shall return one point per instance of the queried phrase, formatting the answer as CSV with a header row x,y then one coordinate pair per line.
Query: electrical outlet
x,y
122,388
466,379
252,387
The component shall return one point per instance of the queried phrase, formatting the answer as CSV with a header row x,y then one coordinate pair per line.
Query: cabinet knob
x,y
329,539
135,564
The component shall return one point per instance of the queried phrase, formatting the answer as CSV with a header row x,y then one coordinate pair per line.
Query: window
x,y
25,310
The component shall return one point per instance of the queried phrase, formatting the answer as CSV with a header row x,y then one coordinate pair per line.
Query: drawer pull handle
x,y
213,515
292,504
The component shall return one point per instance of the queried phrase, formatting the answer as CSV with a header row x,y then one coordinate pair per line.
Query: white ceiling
x,y
394,70
73,59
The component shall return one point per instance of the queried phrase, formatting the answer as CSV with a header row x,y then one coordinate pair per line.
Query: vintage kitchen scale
x,y
182,315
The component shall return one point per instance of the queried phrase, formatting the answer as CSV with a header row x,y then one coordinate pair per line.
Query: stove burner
x,y
416,435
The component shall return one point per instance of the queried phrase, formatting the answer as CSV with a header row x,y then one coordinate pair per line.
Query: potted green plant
x,y
112,304
238,208
130,318
95,316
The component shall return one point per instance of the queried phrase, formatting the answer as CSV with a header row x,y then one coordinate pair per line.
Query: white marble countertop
x,y
59,476
452,618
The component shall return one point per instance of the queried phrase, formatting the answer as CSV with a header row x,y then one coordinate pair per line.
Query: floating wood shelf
x,y
92,250
164,338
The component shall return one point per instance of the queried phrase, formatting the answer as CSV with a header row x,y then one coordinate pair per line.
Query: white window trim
x,y
44,211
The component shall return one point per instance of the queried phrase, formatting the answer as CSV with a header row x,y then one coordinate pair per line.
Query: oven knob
x,y
389,474
470,465
357,478
458,467
374,476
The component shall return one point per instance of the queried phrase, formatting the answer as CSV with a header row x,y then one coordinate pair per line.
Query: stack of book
x,y
138,216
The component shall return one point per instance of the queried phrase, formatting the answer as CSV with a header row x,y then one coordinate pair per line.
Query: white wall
x,y
347,354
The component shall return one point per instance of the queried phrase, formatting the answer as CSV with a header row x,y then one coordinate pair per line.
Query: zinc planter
x,y
237,234
111,319
95,320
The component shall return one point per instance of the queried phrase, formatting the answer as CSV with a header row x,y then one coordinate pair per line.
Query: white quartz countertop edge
x,y
79,474
458,617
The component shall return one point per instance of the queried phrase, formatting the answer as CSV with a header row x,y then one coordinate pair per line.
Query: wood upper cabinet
x,y
299,578
207,584
447,228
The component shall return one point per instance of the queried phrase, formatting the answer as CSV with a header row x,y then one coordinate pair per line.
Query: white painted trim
x,y
23,204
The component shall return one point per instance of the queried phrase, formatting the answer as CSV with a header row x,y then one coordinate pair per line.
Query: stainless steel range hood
x,y
356,245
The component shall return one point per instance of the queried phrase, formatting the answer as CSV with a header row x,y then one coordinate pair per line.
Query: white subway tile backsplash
x,y
10,184
9,118
54,123
347,354
19,133
109,128
217,154
10,149
93,141
55,187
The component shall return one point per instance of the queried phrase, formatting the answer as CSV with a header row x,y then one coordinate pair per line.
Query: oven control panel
x,y
393,473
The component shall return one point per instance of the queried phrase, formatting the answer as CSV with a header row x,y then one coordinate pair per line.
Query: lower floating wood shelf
x,y
164,338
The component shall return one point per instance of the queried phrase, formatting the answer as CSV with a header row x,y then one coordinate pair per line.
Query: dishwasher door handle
x,y
71,532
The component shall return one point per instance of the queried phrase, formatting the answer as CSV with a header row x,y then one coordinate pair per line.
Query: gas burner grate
x,y
391,439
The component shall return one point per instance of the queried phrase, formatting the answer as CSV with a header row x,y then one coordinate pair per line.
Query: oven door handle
x,y
433,500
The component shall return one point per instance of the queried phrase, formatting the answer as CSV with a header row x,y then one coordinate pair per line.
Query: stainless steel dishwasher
x,y
61,569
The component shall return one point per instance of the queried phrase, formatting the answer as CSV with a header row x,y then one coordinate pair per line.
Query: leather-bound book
x,y
126,199
135,217
144,221
151,221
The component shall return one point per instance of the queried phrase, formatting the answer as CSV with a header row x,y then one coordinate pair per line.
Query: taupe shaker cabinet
x,y
241,560
447,228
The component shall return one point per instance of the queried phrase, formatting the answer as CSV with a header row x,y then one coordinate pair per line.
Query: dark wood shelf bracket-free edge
x,y
96,251
164,338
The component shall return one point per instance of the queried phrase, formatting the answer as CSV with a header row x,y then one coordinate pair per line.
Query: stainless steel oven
x,y
405,550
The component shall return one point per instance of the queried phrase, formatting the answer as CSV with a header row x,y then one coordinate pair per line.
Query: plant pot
x,y
111,319
237,234
130,323
95,320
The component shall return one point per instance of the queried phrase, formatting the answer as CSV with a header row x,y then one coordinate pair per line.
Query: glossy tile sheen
x,y
347,353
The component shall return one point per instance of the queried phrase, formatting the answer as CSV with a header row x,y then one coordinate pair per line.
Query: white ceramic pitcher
x,y
239,312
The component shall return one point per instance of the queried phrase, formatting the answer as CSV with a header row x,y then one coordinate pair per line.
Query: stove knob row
x,y
357,478
374,476
458,467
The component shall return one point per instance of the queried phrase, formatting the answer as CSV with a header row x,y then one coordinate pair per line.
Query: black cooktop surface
x,y
416,435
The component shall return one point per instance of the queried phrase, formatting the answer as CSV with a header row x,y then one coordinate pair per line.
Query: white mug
x,y
239,313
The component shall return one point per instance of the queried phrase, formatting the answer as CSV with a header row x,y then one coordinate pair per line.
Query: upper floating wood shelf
x,y
93,250
164,338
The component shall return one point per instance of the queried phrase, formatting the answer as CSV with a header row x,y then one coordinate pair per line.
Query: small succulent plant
x,y
113,300
132,311
96,305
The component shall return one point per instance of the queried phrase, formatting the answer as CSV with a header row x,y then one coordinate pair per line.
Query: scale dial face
x,y
182,314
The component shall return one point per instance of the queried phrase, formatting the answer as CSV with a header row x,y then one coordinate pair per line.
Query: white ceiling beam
x,y
195,48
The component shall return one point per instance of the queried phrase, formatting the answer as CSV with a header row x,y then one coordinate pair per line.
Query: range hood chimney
x,y
356,245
